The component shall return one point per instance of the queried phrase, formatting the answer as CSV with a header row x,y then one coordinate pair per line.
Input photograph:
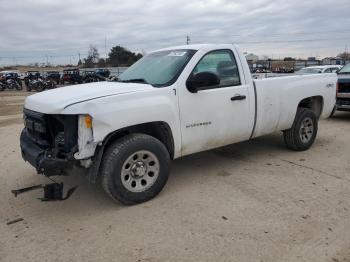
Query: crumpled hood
x,y
55,100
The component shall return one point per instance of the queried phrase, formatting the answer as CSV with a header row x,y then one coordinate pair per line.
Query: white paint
x,y
114,105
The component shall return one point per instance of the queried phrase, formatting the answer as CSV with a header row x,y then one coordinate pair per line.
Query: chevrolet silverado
x,y
171,103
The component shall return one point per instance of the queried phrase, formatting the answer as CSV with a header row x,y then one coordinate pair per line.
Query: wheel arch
x,y
160,130
314,103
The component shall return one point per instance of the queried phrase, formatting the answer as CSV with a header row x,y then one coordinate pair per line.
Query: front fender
x,y
120,111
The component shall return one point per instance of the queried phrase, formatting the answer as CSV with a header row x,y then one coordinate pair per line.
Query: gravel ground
x,y
252,201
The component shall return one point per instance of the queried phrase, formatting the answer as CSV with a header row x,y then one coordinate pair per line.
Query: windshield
x,y
345,69
309,71
159,68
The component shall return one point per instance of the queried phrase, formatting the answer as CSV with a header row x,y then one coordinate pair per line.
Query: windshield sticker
x,y
176,53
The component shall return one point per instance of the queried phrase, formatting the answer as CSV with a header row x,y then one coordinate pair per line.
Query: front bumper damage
x,y
48,142
42,158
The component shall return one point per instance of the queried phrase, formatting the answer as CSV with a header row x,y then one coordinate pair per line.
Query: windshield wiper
x,y
135,80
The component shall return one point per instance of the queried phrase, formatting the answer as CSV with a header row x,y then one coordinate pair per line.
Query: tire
x,y
132,180
303,132
40,87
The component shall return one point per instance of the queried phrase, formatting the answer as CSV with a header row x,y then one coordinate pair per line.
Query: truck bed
x,y
280,96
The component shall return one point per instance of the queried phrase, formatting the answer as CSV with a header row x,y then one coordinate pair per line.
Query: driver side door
x,y
215,115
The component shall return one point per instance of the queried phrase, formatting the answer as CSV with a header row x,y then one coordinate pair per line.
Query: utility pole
x,y
106,48
79,58
188,40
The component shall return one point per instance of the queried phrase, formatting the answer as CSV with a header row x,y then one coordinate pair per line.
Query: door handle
x,y
238,97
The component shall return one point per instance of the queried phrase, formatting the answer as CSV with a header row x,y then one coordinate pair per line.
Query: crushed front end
x,y
48,142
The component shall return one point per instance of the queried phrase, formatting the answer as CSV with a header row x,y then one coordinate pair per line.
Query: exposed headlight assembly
x,y
86,144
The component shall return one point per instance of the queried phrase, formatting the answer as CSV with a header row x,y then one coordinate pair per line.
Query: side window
x,y
328,70
334,69
223,64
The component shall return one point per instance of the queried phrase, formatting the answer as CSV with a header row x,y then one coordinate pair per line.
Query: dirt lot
x,y
253,201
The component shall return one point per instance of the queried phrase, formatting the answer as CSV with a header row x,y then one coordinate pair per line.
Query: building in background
x,y
333,61
252,58
311,61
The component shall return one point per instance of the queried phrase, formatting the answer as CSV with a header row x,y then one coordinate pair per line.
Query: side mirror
x,y
200,80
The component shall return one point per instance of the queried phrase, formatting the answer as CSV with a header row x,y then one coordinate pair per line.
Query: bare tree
x,y
93,53
344,55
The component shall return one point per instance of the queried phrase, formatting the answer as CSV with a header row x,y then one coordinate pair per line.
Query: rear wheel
x,y
303,133
135,168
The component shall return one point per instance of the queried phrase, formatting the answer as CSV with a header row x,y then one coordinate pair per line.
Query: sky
x,y
57,31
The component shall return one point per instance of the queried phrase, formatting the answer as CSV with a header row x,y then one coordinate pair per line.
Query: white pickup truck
x,y
173,102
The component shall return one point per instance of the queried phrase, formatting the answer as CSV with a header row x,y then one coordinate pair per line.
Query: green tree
x,y
120,56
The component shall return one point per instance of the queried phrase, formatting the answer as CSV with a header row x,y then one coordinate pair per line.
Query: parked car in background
x,y
21,76
10,80
103,72
91,76
29,77
343,89
2,81
10,74
32,75
173,102
319,69
53,76
71,76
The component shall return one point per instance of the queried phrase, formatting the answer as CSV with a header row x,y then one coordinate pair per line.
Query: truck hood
x,y
55,100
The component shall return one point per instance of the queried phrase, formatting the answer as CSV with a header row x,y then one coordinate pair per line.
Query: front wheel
x,y
303,132
135,168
